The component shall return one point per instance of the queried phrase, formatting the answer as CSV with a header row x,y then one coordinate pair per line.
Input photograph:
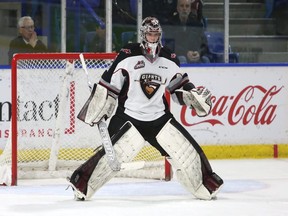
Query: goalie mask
x,y
151,27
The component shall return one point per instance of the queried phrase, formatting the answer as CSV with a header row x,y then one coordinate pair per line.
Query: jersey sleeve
x,y
113,78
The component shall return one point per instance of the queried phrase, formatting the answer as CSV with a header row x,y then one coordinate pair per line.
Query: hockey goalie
x,y
136,83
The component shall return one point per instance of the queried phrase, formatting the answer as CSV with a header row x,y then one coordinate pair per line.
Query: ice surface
x,y
251,188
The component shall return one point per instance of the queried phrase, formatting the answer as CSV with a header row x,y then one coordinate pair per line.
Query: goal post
x,y
46,139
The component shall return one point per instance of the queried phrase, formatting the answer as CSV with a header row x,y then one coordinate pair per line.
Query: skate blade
x,y
78,195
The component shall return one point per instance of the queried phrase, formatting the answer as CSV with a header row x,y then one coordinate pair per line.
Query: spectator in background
x,y
196,10
188,12
27,40
96,41
162,9
190,43
278,9
280,13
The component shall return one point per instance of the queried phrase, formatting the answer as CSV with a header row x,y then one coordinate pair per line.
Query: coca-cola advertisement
x,y
249,105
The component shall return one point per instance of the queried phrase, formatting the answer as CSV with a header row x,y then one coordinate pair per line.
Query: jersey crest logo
x,y
140,64
173,55
127,51
150,83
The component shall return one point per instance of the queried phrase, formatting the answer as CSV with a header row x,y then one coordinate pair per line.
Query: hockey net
x,y
46,140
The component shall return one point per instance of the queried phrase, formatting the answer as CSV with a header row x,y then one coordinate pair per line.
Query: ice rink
x,y
251,188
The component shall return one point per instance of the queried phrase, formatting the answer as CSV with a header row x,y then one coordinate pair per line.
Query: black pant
x,y
148,130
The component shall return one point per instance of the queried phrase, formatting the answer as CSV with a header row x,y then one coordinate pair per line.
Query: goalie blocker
x,y
99,105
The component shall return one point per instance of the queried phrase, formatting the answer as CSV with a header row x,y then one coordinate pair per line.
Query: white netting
x,y
51,141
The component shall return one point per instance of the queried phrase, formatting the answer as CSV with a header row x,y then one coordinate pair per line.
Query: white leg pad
x,y
185,159
126,148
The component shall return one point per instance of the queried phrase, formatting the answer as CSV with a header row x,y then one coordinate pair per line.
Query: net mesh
x,y
50,94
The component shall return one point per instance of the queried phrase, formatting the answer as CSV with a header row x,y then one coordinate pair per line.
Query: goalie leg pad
x,y
186,160
210,179
79,178
99,105
126,148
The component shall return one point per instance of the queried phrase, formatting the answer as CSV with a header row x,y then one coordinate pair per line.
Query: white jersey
x,y
141,84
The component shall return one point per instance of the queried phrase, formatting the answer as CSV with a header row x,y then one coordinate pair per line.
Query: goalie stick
x,y
107,144
102,127
114,164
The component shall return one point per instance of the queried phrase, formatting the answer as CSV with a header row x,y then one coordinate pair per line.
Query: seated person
x,y
196,10
281,17
192,44
95,41
160,9
188,34
188,13
27,41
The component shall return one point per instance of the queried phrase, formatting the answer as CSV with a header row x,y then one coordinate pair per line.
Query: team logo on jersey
x,y
150,83
140,64
127,51
173,55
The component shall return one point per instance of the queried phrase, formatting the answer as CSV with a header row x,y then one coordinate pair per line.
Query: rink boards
x,y
249,116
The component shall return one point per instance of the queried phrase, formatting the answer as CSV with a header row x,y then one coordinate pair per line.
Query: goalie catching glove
x,y
99,105
197,98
